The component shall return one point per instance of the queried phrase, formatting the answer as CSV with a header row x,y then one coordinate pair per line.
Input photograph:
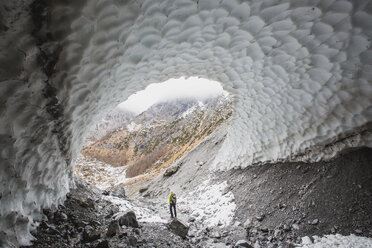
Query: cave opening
x,y
300,75
137,154
154,128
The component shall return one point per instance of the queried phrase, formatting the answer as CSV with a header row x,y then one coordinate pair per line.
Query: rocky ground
x,y
271,205
87,219
276,204
283,202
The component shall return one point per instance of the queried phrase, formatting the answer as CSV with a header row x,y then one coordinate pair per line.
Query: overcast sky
x,y
194,87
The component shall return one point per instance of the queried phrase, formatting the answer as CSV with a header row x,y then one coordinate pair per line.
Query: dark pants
x,y
174,209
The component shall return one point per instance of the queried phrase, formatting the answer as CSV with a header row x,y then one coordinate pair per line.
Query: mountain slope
x,y
161,135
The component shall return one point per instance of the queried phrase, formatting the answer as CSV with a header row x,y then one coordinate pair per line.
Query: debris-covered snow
x,y
336,240
143,214
100,174
210,203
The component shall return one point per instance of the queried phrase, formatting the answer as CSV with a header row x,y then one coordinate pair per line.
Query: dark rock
x,y
132,240
260,217
103,244
60,216
48,213
171,170
143,189
88,203
122,235
177,227
128,219
106,192
315,222
113,228
90,234
286,228
119,192
243,243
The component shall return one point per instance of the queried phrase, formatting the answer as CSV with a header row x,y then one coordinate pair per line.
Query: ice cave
x,y
299,71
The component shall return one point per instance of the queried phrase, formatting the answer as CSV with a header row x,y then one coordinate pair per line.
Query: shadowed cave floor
x,y
282,203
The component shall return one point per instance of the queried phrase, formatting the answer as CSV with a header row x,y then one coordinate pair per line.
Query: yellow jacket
x,y
172,198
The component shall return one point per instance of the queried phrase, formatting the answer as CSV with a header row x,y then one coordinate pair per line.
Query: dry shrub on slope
x,y
146,162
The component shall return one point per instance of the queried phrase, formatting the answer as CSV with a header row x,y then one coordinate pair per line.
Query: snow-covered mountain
x,y
163,133
112,121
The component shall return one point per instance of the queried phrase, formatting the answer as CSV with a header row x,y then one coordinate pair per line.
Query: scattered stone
x,y
191,219
243,243
143,189
103,244
333,230
106,192
88,203
277,233
247,223
171,170
113,228
215,234
286,228
260,217
295,226
60,216
128,219
119,192
282,205
90,234
358,231
315,222
132,240
177,227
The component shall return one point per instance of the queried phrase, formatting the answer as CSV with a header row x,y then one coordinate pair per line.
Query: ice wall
x,y
300,72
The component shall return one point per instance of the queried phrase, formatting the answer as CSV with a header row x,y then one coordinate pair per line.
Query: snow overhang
x,y
300,73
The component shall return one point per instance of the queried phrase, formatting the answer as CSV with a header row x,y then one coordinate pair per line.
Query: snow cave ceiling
x,y
300,72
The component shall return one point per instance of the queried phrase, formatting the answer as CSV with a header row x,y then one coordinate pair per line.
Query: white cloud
x,y
193,87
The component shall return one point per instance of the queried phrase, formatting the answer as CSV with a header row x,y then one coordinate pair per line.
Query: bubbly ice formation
x,y
300,72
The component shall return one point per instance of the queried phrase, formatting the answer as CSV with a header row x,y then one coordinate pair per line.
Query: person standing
x,y
172,204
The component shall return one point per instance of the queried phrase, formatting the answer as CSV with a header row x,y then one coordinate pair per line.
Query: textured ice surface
x,y
300,72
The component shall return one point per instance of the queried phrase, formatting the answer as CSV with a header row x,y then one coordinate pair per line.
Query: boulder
x,y
113,228
86,203
103,244
243,243
143,189
171,170
177,227
132,241
119,192
90,234
128,219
